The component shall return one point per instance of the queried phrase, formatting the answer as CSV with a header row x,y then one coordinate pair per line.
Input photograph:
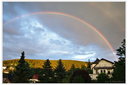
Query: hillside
x,y
38,63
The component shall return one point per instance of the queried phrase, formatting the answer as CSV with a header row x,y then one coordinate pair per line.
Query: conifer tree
x,y
83,67
119,70
60,71
121,49
89,64
47,74
88,69
22,71
119,66
72,67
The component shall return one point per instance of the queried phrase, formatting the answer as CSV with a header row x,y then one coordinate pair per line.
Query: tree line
x,y
47,74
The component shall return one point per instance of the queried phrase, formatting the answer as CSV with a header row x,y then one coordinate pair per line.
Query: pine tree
x,y
121,49
89,64
60,71
69,74
119,70
72,67
83,67
119,67
22,71
47,74
88,69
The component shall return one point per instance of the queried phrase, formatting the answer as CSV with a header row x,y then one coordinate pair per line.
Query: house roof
x,y
35,76
107,60
97,61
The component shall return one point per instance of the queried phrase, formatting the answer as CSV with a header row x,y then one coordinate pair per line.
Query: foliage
x,y
89,70
35,71
78,79
69,74
60,71
83,67
22,71
102,78
121,49
119,67
47,71
119,70
39,63
72,67
80,76
89,64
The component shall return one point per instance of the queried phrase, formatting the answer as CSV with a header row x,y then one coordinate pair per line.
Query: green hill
x,y
38,63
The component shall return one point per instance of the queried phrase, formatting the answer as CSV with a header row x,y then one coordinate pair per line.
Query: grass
x,y
39,63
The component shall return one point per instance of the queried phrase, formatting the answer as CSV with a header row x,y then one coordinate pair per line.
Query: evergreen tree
x,y
60,71
72,67
119,70
89,64
88,69
83,67
22,72
121,49
47,72
69,74
119,67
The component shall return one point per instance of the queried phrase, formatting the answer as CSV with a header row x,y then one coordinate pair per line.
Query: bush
x,y
80,76
102,78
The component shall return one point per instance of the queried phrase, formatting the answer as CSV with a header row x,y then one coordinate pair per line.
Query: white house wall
x,y
92,65
102,63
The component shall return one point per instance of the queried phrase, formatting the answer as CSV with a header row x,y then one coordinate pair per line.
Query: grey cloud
x,y
108,18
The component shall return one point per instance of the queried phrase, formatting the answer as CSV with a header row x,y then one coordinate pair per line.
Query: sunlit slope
x,y
39,63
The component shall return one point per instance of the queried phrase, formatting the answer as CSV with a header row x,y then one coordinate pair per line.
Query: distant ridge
x,y
38,63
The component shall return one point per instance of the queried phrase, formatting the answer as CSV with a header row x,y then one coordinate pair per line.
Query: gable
x,y
92,65
104,63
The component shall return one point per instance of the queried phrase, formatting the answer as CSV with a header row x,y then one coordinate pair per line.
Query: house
x,y
4,67
101,66
5,70
34,78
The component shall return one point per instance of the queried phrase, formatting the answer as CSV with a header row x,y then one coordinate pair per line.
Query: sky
x,y
63,30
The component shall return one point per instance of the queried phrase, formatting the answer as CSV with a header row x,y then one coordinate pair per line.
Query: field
x,y
39,63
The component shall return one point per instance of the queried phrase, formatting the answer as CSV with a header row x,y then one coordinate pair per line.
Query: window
x,y
104,71
108,72
101,71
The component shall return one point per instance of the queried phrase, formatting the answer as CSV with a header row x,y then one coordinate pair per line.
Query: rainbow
x,y
67,15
